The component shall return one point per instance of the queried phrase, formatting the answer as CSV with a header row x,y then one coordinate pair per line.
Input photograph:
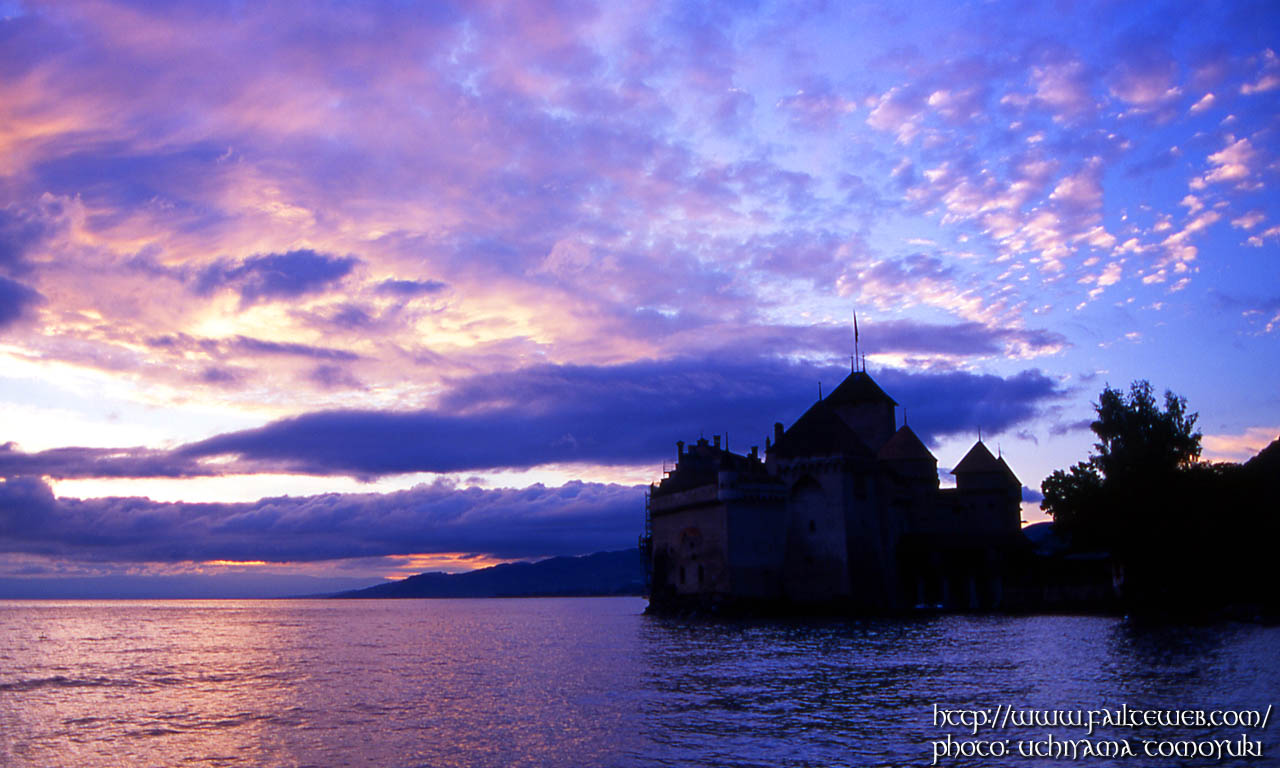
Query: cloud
x,y
1062,86
74,461
537,521
1234,163
1238,447
816,105
1255,310
1080,425
409,289
962,339
624,414
334,377
1081,190
16,301
272,276
251,346
959,403
925,279
1205,102
1268,76
1256,241
1249,220
900,112
221,375
20,232
189,347
1145,76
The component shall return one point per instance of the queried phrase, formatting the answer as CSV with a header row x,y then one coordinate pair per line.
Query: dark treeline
x,y
1188,538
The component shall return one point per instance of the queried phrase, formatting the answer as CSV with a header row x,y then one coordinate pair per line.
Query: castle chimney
x,y
679,449
716,440
755,453
777,432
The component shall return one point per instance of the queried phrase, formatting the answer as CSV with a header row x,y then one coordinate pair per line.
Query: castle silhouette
x,y
843,512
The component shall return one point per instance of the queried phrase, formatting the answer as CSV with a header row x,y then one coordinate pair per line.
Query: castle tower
x,y
909,457
991,494
865,408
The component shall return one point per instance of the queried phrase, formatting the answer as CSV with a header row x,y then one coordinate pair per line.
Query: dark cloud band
x,y
532,522
623,414
271,276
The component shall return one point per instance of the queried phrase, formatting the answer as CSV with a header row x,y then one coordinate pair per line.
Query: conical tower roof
x,y
905,446
979,460
1008,470
856,389
820,432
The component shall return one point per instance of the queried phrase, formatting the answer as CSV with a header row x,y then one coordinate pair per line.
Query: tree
x,y
1135,436
1113,496
1073,499
1192,538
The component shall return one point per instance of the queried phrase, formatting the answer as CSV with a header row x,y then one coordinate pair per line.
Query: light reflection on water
x,y
572,682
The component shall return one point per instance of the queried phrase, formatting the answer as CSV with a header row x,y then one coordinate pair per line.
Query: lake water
x,y
583,682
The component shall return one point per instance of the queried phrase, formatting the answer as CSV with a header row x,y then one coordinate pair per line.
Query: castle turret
x,y
909,457
979,470
989,491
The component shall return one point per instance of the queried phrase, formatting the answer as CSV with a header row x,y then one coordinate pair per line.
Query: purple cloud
x,y
251,346
98,462
20,231
610,415
816,105
16,301
271,276
410,289
537,521
624,414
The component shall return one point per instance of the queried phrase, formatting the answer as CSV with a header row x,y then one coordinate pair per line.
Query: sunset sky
x,y
300,295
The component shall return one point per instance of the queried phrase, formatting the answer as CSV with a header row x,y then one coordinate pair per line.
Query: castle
x,y
844,512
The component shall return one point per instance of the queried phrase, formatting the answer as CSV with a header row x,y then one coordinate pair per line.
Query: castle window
x,y
699,575
812,526
860,486
682,574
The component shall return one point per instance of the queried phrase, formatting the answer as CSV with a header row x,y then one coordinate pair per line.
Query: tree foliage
x,y
1140,448
1136,436
1190,536
1071,497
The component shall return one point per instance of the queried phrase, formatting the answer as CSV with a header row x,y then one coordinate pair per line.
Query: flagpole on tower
x,y
855,341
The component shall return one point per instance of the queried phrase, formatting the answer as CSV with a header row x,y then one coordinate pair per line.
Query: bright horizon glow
x,y
249,488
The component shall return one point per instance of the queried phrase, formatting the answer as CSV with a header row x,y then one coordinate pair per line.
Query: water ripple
x,y
563,683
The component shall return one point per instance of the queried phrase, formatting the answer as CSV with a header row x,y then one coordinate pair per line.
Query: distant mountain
x,y
604,573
